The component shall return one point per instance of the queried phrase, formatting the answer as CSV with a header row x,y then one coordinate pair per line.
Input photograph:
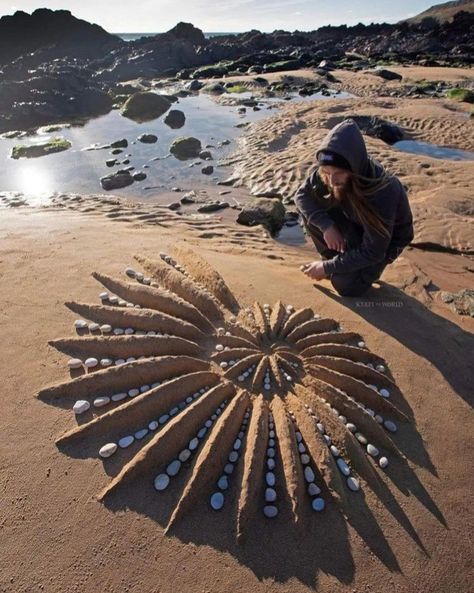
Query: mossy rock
x,y
213,87
464,95
145,106
237,88
35,150
185,148
282,66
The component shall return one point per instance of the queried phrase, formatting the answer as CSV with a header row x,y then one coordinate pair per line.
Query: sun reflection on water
x,y
33,178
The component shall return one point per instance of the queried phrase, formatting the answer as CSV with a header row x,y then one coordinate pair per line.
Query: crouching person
x,y
357,215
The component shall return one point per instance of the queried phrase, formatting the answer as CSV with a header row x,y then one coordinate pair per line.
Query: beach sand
x,y
57,537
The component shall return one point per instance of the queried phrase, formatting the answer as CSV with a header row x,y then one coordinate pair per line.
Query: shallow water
x,y
434,151
79,171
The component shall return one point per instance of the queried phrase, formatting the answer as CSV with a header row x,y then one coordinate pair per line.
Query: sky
x,y
120,16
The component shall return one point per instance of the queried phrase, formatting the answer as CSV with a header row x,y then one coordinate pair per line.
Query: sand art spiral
x,y
172,368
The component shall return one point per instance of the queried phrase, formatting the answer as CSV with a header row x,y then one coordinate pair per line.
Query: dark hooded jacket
x,y
390,203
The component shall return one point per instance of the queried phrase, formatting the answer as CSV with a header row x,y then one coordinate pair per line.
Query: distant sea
x,y
133,36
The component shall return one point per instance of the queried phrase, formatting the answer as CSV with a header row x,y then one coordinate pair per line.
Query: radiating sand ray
x,y
198,384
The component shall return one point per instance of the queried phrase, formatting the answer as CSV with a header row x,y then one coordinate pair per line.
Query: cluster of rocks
x,y
54,66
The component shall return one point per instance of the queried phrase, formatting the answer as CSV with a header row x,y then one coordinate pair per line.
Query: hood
x,y
346,140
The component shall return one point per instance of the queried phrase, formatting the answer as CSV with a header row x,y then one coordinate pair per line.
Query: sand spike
x,y
126,346
184,287
213,455
336,338
343,351
254,462
142,319
276,319
172,438
123,378
157,299
135,413
313,326
295,319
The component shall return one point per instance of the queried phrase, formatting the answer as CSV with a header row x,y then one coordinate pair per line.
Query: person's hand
x,y
334,239
314,270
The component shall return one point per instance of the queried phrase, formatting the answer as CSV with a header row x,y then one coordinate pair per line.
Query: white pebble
x,y
270,511
74,363
390,426
309,474
305,458
117,397
174,467
80,324
193,444
233,456
371,450
106,328
318,504
334,450
384,392
361,438
270,495
223,483
134,392
271,464
129,331
162,481
130,272
228,468
90,363
81,406
380,368
383,462
99,402
118,331
353,484
153,425
351,427
93,327
217,501
342,465
107,450
361,344
270,478
164,418
125,442
219,347
106,362
313,490
140,434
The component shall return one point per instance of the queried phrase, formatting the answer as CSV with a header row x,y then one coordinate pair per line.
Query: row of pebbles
x,y
287,376
351,481
162,480
83,405
247,373
112,299
314,491
270,510
267,383
109,449
217,499
371,449
138,276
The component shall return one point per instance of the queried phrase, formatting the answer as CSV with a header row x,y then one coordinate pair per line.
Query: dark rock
x,y
208,170
116,181
387,74
185,148
194,85
175,119
110,162
268,212
174,206
214,88
119,143
139,176
116,151
213,207
145,106
126,162
147,138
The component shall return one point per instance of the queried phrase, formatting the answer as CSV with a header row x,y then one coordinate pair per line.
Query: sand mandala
x,y
276,403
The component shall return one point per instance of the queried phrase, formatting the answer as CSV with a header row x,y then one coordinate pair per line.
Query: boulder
x,y
213,207
116,181
185,148
145,106
268,212
175,119
208,170
36,150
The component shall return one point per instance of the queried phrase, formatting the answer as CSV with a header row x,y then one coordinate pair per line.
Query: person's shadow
x,y
447,346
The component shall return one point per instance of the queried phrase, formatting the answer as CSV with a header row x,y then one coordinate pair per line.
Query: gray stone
x,y
217,501
116,181
147,138
318,504
161,482
184,148
175,119
145,106
270,511
174,467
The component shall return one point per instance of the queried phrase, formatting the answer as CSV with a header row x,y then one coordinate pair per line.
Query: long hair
x,y
359,189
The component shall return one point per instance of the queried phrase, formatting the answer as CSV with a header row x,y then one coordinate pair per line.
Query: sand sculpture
x,y
173,367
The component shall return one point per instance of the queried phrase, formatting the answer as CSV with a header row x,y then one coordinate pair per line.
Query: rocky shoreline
x,y
71,69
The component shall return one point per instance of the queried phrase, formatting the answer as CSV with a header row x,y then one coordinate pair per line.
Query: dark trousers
x,y
353,283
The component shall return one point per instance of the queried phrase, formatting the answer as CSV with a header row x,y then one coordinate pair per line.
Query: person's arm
x,y
374,245
308,205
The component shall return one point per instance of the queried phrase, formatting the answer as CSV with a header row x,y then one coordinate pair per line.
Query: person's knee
x,y
348,287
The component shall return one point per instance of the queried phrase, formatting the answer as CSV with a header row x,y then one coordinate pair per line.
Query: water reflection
x,y
433,150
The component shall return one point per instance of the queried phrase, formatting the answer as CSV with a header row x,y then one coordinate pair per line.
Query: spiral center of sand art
x,y
262,400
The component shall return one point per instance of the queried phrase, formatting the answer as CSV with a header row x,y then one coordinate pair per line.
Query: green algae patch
x,y
29,151
464,95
